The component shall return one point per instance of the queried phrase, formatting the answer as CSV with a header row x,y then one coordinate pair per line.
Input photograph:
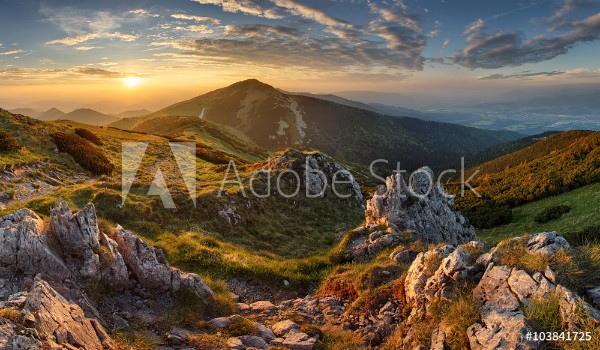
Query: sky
x,y
117,55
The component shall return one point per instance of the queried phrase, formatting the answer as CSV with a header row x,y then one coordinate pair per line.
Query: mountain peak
x,y
251,83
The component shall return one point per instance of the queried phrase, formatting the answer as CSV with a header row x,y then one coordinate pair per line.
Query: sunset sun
x,y
132,81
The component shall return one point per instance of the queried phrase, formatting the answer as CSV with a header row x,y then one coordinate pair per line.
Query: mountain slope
x,y
273,119
559,164
503,149
52,114
30,112
89,116
133,113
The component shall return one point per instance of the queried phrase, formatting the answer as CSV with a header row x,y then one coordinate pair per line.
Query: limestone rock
x,y
77,233
24,248
430,218
151,269
418,274
594,295
503,323
284,327
547,243
56,319
298,341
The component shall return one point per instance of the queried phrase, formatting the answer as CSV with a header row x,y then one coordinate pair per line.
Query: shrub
x,y
7,142
589,234
488,215
212,155
83,153
88,135
551,213
241,326
128,341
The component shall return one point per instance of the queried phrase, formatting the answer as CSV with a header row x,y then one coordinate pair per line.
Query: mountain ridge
x,y
274,119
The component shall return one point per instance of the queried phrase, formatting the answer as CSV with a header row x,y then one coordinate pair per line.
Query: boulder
x,y
56,319
24,250
503,324
547,243
150,267
284,327
422,209
594,295
77,233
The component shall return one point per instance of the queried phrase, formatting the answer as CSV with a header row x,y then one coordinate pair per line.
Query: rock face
x,y
24,250
46,269
57,320
151,269
422,209
317,174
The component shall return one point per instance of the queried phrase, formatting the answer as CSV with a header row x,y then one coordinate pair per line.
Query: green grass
x,y
585,211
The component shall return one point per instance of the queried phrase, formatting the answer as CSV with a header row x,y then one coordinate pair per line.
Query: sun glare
x,y
132,81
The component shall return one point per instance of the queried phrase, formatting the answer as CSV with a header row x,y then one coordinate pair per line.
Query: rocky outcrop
x,y
317,174
423,209
57,320
25,251
150,267
83,252
53,268
502,324
50,322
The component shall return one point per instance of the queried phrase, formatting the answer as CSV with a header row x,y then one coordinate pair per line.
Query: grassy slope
x,y
585,211
276,238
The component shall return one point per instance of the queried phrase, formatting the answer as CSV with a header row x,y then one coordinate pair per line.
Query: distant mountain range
x,y
274,119
81,115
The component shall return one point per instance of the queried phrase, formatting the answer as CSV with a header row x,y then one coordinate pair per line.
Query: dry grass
x,y
514,253
335,338
543,314
461,314
134,341
11,314
208,342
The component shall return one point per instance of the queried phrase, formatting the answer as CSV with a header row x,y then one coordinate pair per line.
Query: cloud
x,y
44,75
203,29
512,48
82,26
308,12
77,22
522,75
392,40
195,18
14,52
250,7
569,6
143,13
564,74
70,41
87,48
99,72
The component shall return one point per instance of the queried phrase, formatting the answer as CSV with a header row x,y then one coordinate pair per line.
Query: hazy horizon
x,y
114,56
